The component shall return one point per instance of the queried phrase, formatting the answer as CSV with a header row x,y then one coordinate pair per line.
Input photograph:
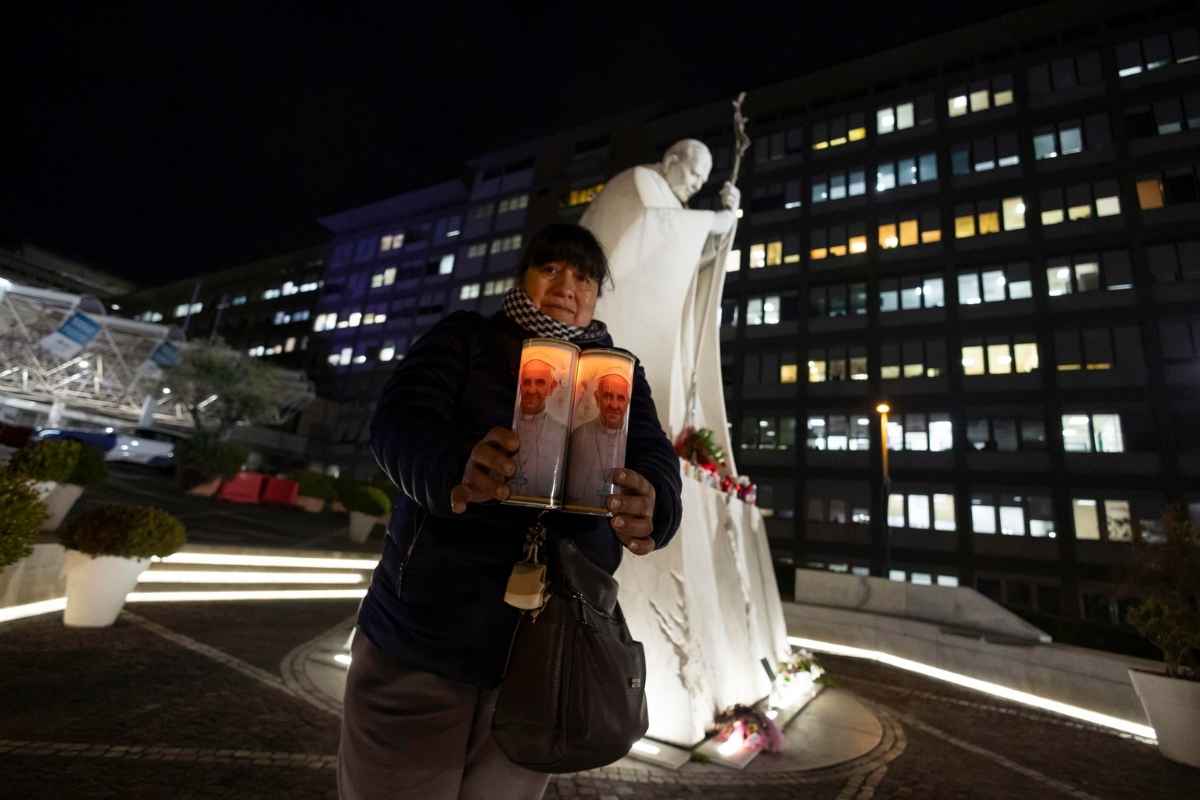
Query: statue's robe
x,y
664,306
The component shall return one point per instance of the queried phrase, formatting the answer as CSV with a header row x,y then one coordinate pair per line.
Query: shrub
x,y
314,484
90,469
211,457
1168,577
21,516
365,499
383,484
48,460
127,531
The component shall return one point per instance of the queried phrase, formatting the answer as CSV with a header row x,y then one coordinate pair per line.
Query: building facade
x,y
264,308
996,231
35,266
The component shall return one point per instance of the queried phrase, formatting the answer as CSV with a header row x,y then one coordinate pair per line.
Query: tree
x,y
1168,577
222,388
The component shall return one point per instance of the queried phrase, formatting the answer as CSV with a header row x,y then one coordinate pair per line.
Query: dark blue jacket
x,y
436,601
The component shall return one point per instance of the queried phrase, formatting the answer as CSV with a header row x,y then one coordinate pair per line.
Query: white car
x,y
144,446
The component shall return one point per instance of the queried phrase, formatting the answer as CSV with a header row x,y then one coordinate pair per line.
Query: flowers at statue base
x,y
745,728
704,460
795,680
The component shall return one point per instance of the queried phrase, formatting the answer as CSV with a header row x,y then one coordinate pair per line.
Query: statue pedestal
x,y
706,609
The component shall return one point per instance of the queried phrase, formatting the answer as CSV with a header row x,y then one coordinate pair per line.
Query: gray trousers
x,y
410,734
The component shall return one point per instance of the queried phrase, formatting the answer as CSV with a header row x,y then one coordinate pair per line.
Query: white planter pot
x,y
44,488
59,502
1173,707
96,587
361,526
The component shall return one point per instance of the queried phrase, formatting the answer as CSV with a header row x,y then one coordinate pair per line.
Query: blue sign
x,y
165,355
76,332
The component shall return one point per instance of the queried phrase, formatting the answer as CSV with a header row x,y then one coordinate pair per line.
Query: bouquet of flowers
x,y
698,447
747,728
794,679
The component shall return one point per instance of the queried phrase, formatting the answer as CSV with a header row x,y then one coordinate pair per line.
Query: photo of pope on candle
x,y
600,427
540,418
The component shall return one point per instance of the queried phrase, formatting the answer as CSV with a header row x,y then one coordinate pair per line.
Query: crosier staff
x,y
716,285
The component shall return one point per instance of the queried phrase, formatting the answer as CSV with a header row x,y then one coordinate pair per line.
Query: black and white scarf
x,y
519,307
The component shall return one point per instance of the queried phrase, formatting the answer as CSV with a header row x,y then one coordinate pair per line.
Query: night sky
x,y
157,141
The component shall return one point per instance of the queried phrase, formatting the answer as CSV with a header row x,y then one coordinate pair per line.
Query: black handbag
x,y
573,697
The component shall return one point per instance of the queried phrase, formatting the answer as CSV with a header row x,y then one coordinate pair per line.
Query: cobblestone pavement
x,y
186,701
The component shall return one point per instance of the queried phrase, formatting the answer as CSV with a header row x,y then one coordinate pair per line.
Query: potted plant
x,y
204,461
46,463
365,504
89,471
315,489
21,516
1168,577
108,547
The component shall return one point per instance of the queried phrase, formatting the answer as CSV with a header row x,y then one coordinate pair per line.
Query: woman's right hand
x,y
488,469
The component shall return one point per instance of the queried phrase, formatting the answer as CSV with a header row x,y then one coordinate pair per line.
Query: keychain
x,y
527,583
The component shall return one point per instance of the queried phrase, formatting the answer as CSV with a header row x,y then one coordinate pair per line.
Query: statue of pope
x,y
667,267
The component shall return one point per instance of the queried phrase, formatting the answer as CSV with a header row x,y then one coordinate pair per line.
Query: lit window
x,y
972,360
817,370
580,197
1150,193
964,226
1014,213
788,373
387,352
354,319
957,105
1087,521
391,242
858,243
733,261
469,291
446,264
774,254
758,256
240,300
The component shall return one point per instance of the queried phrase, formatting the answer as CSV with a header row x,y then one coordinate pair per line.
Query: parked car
x,y
147,446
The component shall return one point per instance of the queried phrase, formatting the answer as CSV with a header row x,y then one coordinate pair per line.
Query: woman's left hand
x,y
633,511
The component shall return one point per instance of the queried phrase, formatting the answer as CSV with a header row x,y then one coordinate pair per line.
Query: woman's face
x,y
562,292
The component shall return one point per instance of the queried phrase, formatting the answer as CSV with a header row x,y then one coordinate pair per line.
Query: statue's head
x,y
686,166
537,384
612,398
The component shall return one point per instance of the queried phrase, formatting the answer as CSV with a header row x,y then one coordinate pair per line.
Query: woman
x,y
433,630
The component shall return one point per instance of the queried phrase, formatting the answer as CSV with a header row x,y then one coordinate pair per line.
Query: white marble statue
x,y
668,273
707,608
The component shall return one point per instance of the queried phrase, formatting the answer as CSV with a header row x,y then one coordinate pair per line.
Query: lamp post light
x,y
883,409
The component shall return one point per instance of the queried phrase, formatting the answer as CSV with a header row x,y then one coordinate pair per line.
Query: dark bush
x,y
126,531
90,469
49,460
21,516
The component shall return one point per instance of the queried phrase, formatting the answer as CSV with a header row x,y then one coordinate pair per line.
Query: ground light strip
x,y
987,687
252,594
201,576
242,560
32,609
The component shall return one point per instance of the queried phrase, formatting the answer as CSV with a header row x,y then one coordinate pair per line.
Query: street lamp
x,y
883,409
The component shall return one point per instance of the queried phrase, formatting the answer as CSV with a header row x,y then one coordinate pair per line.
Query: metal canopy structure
x,y
111,374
